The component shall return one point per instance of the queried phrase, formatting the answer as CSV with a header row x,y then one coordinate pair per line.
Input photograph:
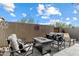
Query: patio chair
x,y
57,39
68,39
17,48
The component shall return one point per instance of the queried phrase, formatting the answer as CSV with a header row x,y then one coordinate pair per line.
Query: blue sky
x,y
42,13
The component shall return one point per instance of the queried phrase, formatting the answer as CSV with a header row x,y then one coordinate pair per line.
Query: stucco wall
x,y
24,31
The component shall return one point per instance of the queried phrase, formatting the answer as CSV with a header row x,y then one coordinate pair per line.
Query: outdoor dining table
x,y
71,51
42,42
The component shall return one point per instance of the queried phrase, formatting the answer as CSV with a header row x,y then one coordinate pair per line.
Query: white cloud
x,y
12,14
40,12
75,11
53,11
68,22
44,17
24,14
48,10
67,18
75,18
8,7
40,8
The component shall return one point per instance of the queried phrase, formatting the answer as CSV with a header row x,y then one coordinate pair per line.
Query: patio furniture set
x,y
54,40
43,45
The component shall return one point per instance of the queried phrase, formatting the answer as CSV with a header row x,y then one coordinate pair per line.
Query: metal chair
x,y
57,39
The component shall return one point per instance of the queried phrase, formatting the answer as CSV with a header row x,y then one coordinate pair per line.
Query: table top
x,y
52,33
42,40
71,51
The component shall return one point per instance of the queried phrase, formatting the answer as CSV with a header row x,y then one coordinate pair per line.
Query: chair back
x,y
13,42
66,36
